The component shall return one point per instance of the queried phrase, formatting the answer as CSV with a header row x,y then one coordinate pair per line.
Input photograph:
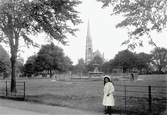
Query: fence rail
x,y
148,99
19,92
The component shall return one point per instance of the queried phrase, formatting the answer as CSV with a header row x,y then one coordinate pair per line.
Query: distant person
x,y
132,76
108,99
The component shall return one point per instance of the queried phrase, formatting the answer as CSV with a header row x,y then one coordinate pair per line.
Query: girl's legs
x,y
106,109
109,109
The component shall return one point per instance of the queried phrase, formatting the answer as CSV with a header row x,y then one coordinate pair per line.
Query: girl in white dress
x,y
108,99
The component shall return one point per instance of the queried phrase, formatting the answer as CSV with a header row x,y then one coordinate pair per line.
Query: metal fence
x,y
133,99
19,92
141,99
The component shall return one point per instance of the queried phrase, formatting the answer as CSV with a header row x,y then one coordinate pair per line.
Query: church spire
x,y
88,30
89,47
88,37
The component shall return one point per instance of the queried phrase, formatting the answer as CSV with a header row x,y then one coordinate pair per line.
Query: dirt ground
x,y
11,107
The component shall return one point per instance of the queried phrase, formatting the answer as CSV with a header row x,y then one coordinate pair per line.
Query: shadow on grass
x,y
158,106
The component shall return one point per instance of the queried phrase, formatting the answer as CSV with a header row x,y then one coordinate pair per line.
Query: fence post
x,y
71,77
80,77
149,98
15,89
6,89
24,91
125,98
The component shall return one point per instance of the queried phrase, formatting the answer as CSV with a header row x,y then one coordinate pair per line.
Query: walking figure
x,y
132,76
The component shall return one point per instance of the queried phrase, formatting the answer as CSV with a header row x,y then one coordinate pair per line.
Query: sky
x,y
105,37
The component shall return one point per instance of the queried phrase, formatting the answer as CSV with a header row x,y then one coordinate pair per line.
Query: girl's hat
x,y
107,76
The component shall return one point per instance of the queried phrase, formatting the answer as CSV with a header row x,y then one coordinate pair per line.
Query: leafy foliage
x,y
49,57
29,66
125,59
21,18
105,67
128,61
159,56
52,17
80,67
67,63
4,60
143,62
140,17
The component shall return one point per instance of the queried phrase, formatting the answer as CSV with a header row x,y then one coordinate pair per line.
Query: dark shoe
x,y
106,112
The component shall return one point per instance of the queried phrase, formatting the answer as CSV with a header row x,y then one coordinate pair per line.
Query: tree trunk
x,y
13,76
13,36
159,69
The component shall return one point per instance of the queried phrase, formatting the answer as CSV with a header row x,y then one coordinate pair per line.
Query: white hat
x,y
107,77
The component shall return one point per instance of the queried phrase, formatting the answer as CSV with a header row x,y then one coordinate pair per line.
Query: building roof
x,y
97,53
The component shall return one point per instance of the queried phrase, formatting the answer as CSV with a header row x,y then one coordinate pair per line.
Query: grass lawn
x,y
80,95
88,95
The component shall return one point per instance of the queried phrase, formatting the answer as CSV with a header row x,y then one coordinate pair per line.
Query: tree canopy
x,y
49,58
159,58
79,68
30,66
4,60
125,59
21,18
143,60
141,17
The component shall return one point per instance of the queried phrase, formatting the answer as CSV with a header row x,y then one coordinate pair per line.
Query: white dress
x,y
108,100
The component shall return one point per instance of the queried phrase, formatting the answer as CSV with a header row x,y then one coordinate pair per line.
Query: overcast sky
x,y
104,35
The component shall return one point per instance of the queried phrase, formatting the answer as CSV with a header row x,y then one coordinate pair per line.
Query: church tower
x,y
89,47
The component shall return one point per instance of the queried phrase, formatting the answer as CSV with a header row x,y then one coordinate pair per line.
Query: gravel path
x,y
10,107
13,111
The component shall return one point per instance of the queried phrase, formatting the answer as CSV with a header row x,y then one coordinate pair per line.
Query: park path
x,y
14,111
11,107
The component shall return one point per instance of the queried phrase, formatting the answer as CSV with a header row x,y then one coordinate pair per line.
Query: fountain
x,y
95,73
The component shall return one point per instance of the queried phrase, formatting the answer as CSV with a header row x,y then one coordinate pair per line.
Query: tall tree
x,y
140,17
111,65
21,18
80,67
4,61
125,59
143,61
67,64
105,67
30,66
159,56
51,57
